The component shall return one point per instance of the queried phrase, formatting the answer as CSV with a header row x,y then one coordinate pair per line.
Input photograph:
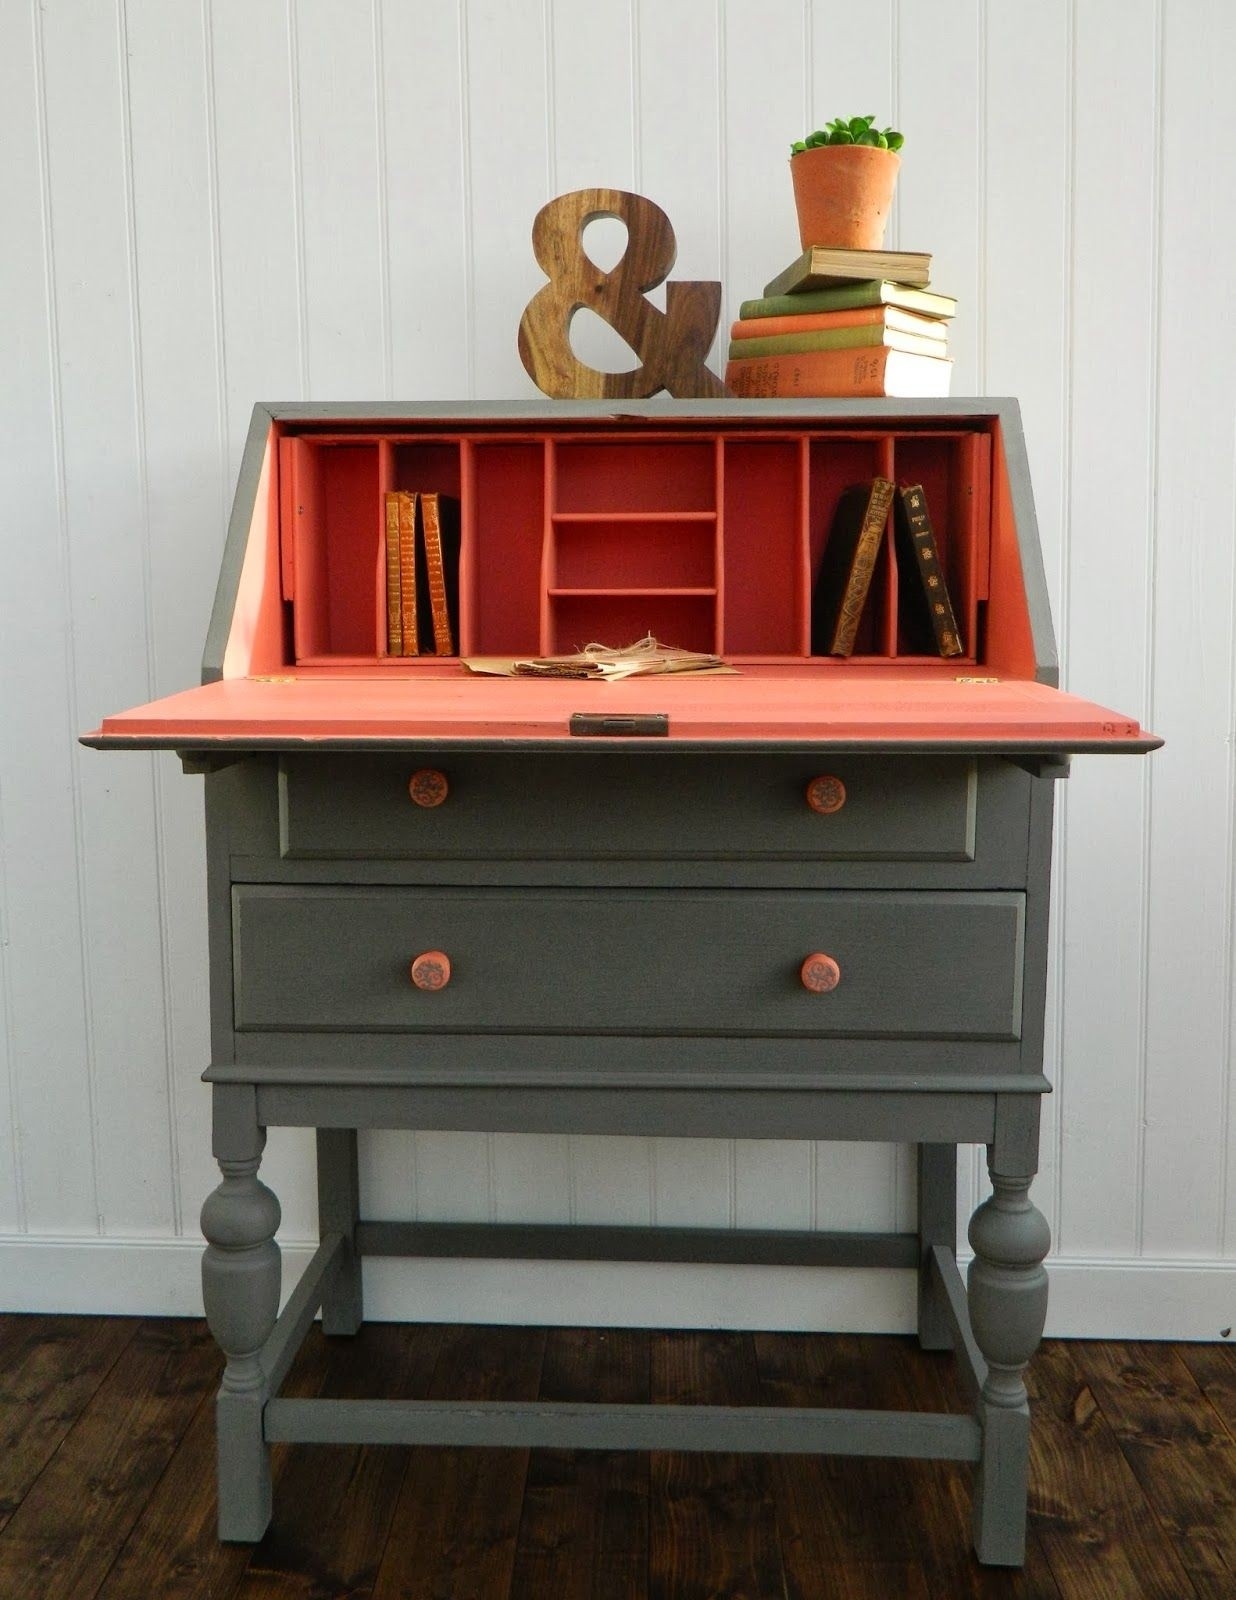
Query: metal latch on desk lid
x,y
609,725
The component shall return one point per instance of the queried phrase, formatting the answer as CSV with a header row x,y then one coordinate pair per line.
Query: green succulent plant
x,y
850,130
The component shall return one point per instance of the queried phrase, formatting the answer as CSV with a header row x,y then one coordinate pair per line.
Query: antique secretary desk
x,y
806,900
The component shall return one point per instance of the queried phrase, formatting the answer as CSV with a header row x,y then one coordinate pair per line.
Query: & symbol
x,y
670,344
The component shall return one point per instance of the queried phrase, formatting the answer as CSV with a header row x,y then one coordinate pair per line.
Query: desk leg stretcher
x,y
993,1325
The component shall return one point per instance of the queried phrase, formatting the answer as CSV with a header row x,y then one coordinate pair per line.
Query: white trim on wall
x,y
1145,1299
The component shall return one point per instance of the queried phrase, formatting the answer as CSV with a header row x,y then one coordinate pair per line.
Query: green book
x,y
848,295
792,344
822,267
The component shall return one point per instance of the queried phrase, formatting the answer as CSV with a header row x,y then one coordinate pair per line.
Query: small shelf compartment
x,y
634,474
708,536
558,593
330,515
646,551
766,571
894,623
615,617
500,599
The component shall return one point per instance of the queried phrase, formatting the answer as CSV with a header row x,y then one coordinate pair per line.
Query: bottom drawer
x,y
650,961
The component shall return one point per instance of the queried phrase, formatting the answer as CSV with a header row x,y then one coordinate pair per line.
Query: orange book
x,y
394,615
870,370
435,569
407,573
857,317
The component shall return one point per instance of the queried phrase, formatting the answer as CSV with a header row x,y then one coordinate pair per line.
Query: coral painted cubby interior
x,y
706,537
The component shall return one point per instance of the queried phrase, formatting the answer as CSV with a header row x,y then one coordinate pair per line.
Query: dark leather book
x,y
843,577
437,553
925,607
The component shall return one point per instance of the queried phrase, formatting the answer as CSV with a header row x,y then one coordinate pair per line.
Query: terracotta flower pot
x,y
843,193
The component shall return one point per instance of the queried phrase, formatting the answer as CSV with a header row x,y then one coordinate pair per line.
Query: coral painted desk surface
x,y
833,707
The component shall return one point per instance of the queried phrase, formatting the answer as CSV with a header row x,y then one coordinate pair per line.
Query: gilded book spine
x,y
939,605
394,618
407,573
443,644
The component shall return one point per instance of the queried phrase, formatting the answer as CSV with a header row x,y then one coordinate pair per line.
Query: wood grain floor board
x,y
1180,1451
712,1521
173,1551
843,1521
336,1503
1100,1536
583,1532
18,1331
68,1529
456,1521
905,1378
50,1369
110,1442
1213,1368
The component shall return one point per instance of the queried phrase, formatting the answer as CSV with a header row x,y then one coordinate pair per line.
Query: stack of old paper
x,y
645,656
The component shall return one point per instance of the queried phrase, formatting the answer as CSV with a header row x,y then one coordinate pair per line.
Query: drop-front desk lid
x,y
767,707
701,523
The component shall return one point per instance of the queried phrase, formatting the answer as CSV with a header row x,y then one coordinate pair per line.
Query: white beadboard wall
x,y
210,202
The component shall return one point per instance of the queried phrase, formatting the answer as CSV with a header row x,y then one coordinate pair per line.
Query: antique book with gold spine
x,y
846,567
918,562
407,573
431,528
394,616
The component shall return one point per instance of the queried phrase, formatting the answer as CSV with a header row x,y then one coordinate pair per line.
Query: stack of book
x,y
844,322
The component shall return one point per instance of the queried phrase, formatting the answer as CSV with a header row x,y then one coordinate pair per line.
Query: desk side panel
x,y
246,622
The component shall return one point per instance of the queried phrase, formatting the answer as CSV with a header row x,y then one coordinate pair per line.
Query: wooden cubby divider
x,y
707,537
884,601
386,483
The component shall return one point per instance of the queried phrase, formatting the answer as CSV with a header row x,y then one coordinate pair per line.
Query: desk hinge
x,y
604,724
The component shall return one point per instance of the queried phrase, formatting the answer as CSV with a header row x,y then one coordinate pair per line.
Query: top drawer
x,y
611,807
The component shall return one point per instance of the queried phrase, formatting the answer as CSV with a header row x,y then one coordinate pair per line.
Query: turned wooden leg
x,y
240,1287
1007,1291
338,1212
937,1225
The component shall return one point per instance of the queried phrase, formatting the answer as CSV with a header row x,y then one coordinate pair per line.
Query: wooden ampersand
x,y
670,344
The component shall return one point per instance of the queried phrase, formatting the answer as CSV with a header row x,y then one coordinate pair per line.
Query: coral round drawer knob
x,y
826,794
431,970
820,973
428,787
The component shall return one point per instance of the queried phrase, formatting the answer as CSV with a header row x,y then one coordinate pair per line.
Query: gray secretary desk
x,y
806,899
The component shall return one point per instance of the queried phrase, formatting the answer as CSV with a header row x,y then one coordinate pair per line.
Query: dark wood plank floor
x,y
106,1474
